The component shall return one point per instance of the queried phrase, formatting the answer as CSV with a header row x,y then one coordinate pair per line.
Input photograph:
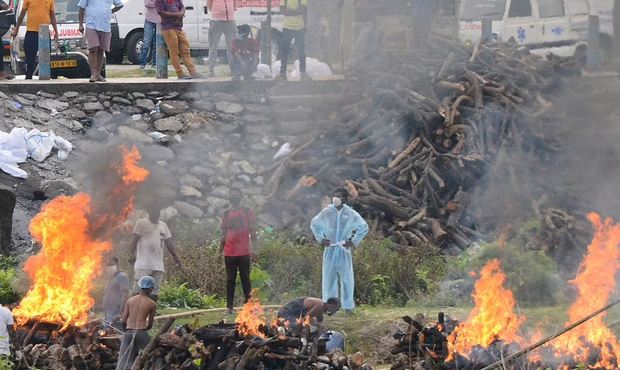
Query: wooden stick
x,y
552,336
33,330
139,362
200,312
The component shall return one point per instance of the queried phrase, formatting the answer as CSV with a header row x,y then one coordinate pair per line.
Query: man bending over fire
x,y
339,228
313,308
138,317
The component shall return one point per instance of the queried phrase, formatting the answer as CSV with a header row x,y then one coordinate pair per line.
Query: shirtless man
x,y
137,311
314,308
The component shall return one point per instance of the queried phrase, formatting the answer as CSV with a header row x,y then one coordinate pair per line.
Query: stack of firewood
x,y
85,347
422,345
220,346
415,143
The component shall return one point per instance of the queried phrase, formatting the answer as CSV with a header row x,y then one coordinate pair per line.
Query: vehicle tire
x,y
276,39
134,46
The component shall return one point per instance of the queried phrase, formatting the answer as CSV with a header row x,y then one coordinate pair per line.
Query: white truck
x,y
130,21
557,26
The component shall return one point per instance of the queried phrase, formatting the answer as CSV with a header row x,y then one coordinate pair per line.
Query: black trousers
x,y
242,264
300,43
31,47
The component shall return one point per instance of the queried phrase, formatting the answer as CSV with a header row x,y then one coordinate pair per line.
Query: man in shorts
x,y
98,31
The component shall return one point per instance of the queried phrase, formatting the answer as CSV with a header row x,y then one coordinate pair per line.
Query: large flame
x,y
71,254
595,283
251,318
493,317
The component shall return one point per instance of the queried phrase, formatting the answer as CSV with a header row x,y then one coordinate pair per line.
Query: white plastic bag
x,y
284,151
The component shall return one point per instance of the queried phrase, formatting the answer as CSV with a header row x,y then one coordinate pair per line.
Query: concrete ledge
x,y
164,86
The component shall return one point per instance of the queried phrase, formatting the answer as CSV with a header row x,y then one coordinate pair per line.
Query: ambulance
x,y
558,26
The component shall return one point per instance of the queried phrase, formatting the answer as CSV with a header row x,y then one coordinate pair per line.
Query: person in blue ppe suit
x,y
339,228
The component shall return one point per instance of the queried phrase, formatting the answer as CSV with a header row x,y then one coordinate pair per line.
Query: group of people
x,y
95,18
338,228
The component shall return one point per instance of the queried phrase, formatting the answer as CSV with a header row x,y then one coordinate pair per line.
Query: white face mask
x,y
110,270
337,202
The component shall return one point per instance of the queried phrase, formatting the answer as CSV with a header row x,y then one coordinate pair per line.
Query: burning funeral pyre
x,y
250,343
74,234
492,336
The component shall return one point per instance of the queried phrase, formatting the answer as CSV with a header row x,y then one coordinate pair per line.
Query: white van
x,y
130,21
541,25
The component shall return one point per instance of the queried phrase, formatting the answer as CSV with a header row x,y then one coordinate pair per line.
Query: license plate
x,y
64,63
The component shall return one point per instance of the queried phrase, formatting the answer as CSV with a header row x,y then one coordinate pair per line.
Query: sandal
x,y
101,79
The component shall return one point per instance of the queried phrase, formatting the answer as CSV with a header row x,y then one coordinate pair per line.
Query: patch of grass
x,y
136,73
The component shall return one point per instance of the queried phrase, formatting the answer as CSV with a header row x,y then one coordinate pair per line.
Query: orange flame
x,y
595,283
70,258
304,321
63,270
493,316
251,318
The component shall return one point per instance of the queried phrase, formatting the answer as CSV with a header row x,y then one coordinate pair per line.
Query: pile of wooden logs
x,y
417,140
85,347
421,345
220,346
217,346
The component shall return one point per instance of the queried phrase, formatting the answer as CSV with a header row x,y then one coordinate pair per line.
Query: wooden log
x,y
405,153
139,362
390,207
445,66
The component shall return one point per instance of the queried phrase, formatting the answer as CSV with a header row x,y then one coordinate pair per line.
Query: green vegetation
x,y
532,276
8,278
286,269
174,294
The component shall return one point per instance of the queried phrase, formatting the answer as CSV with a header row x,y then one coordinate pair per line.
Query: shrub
x,y
385,276
531,275
295,270
178,295
7,291
203,268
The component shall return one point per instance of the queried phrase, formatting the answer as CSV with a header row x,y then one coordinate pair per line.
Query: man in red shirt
x,y
238,235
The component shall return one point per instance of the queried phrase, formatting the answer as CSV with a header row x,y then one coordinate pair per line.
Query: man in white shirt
x,y
6,331
150,236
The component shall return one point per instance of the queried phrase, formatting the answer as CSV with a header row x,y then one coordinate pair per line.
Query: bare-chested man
x,y
138,317
315,308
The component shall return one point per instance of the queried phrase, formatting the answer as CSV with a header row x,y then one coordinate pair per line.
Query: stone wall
x,y
215,137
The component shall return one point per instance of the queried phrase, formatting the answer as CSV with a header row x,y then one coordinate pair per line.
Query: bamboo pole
x,y
551,337
200,312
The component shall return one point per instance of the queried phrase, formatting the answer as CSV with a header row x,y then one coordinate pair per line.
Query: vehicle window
x,y
551,8
520,8
67,11
475,10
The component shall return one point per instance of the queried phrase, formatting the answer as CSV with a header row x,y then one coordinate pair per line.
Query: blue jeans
x,y
148,45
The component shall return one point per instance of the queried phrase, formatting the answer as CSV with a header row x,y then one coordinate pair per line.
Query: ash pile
x,y
414,147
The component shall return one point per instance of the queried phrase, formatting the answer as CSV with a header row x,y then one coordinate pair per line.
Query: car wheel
x,y
134,47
